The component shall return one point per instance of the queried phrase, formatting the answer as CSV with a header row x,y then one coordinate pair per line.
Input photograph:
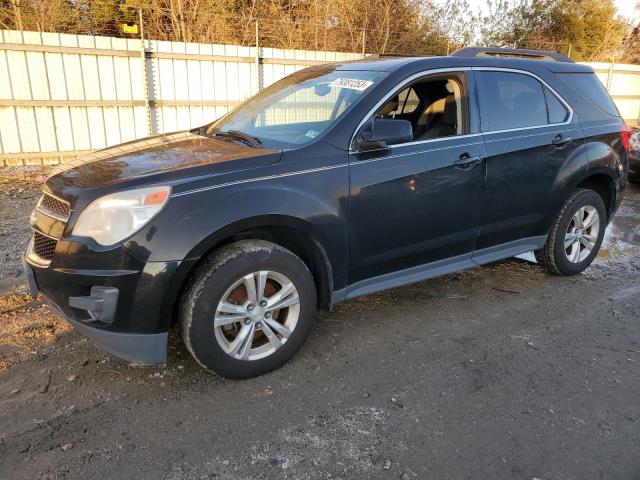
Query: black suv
x,y
334,182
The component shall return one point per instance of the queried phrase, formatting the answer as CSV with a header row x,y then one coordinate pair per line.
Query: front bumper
x,y
135,348
137,330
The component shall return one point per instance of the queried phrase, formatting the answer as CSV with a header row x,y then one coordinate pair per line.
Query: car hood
x,y
154,159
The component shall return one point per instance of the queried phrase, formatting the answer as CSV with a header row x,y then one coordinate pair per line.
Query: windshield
x,y
298,108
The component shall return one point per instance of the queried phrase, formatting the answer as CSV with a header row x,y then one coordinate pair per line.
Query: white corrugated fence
x,y
61,95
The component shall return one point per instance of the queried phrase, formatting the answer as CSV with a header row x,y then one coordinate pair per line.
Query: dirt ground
x,y
19,190
500,372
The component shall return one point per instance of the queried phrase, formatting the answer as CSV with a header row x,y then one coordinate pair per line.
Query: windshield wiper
x,y
239,136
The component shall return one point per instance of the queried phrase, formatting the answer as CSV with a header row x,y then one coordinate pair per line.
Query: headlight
x,y
635,142
112,218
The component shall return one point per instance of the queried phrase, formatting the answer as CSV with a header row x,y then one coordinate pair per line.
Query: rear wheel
x,y
248,309
576,235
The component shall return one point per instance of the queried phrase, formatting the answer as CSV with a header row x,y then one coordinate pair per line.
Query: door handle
x,y
560,140
466,161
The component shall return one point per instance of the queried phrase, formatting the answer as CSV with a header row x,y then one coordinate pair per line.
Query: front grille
x,y
48,222
43,246
54,205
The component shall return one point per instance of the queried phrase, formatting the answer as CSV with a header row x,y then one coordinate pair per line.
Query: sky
x,y
625,7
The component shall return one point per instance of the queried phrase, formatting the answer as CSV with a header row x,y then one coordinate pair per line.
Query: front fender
x,y
192,224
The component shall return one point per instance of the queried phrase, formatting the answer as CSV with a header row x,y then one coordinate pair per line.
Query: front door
x,y
417,206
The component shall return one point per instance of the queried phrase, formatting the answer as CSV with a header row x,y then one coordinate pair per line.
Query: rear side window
x,y
516,100
591,88
511,100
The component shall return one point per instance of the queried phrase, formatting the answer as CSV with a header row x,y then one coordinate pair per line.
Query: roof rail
x,y
407,55
511,52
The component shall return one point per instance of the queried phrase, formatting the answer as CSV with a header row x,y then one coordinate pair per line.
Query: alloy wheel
x,y
582,234
257,315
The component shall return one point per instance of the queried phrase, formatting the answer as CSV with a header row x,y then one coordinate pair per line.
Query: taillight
x,y
625,134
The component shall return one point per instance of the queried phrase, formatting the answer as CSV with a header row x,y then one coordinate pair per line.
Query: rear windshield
x,y
591,87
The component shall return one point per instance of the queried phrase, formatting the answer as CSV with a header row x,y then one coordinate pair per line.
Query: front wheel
x,y
248,309
576,235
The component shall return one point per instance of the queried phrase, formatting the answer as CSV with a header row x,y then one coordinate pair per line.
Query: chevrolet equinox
x,y
334,182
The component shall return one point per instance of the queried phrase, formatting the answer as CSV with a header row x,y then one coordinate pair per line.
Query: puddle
x,y
621,240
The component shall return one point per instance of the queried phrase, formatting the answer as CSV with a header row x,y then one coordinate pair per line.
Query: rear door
x,y
529,132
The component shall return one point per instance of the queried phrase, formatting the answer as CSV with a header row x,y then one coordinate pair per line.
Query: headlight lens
x,y
112,218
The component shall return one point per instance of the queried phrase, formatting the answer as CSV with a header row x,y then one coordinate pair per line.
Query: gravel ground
x,y
19,192
501,372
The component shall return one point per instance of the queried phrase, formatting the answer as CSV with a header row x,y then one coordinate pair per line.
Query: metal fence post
x,y
145,78
258,82
612,63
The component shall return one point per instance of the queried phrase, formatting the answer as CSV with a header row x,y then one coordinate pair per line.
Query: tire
x,y
557,259
213,331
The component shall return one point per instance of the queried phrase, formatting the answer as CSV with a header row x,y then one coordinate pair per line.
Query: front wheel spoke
x,y
262,283
222,320
284,292
250,285
242,343
273,338
278,327
293,299
248,343
227,307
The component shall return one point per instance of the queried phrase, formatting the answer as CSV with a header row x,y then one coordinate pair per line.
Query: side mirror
x,y
385,132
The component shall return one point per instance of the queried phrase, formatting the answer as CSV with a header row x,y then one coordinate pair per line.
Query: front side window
x,y
435,106
298,108
403,103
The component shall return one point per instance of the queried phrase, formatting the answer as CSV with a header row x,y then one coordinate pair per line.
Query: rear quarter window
x,y
588,85
557,112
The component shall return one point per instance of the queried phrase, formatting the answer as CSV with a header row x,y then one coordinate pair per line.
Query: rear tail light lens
x,y
625,134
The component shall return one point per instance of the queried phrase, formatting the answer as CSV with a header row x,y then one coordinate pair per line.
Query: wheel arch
x,y
291,233
603,184
578,171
